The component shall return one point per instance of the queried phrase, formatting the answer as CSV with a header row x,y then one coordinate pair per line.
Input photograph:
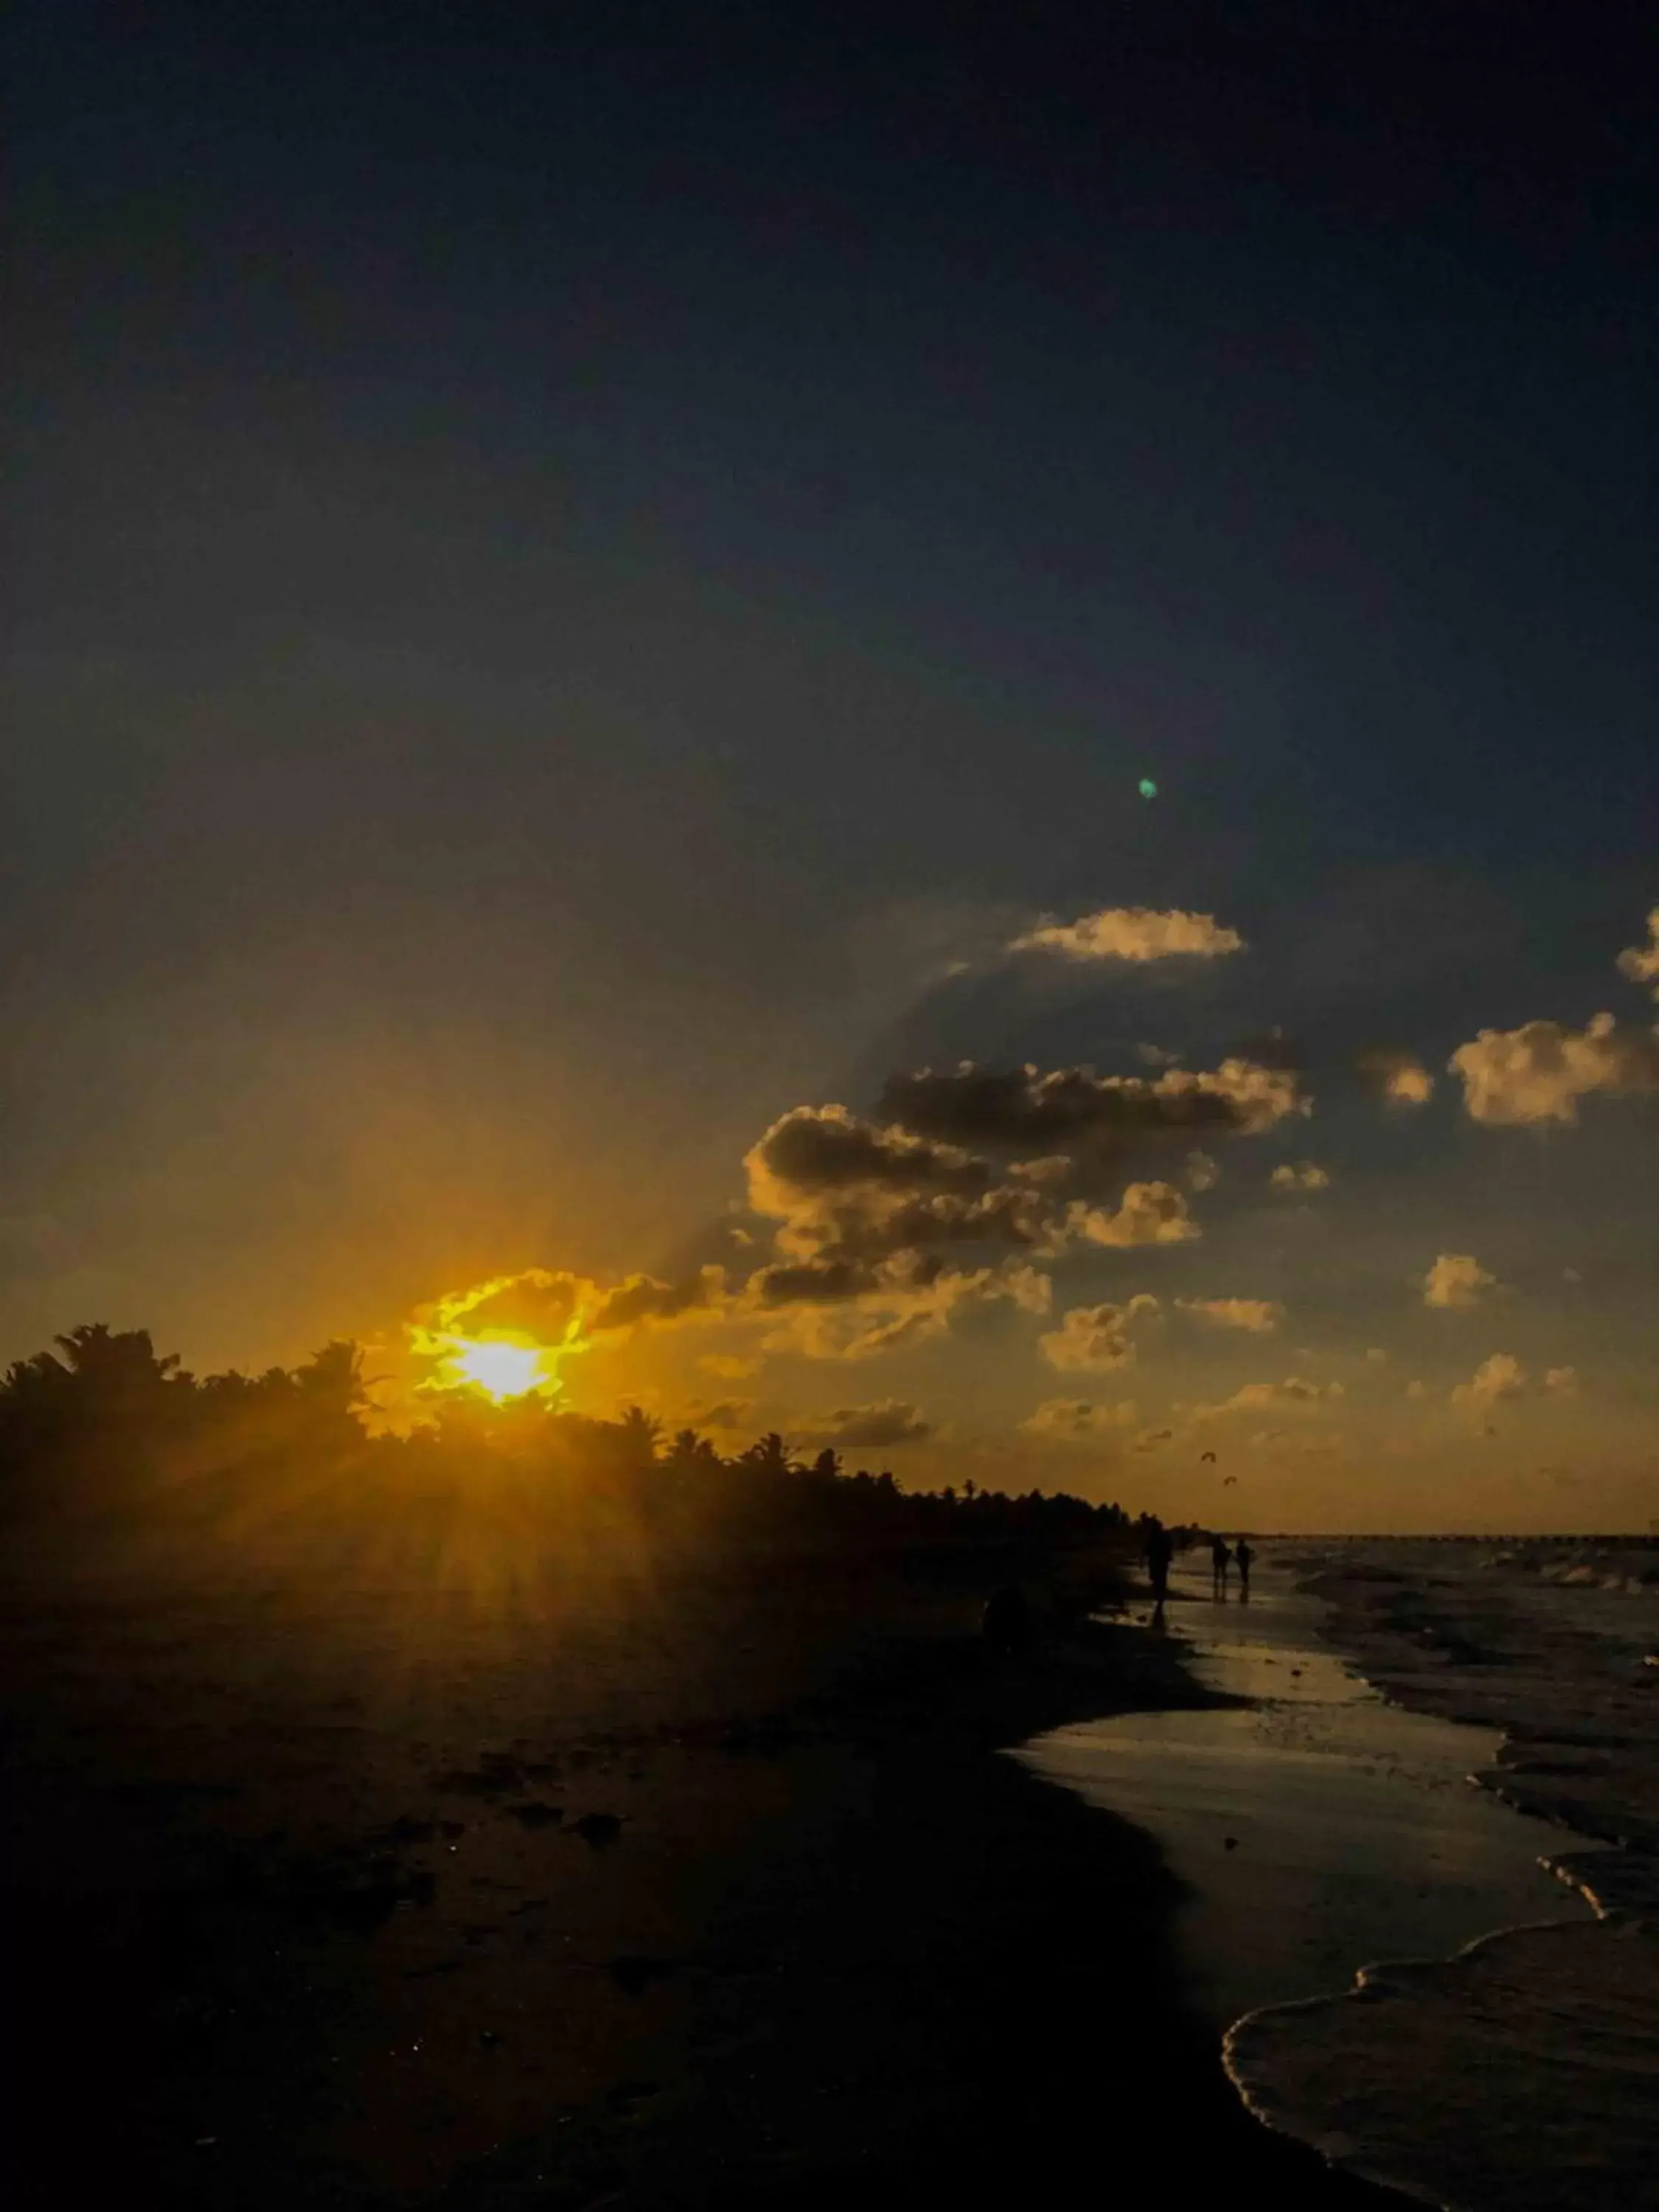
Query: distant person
x,y
1220,1559
1006,1623
1160,1550
1242,1556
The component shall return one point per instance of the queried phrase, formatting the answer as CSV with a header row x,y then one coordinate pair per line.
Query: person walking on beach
x,y
1242,1554
1160,1550
1220,1560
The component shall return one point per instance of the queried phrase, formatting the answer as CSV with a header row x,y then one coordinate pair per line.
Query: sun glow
x,y
500,1371
493,1341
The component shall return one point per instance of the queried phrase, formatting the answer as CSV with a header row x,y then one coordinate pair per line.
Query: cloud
x,y
845,1187
552,1305
891,1421
642,1298
1561,1383
1256,1397
1149,1439
1501,1377
1396,1075
1130,933
719,1414
1090,1340
1148,1213
1641,961
1540,1072
731,1366
1375,1354
1035,1110
838,1310
1417,1390
1257,1316
1078,1420
1303,1175
1456,1279
1202,1173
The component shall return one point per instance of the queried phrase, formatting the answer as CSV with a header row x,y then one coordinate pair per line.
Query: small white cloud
x,y
1417,1389
1456,1279
1375,1354
1303,1175
1399,1078
1501,1377
1202,1172
1561,1383
1130,933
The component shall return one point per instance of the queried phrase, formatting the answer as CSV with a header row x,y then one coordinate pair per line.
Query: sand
x,y
636,1889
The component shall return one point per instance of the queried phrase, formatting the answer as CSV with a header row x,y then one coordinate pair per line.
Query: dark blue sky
x,y
561,560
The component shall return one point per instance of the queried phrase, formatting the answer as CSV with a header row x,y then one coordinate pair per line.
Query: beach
x,y
1494,2047
639,1891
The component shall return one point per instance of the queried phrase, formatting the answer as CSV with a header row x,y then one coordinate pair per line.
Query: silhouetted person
x,y
1006,1623
1160,1550
1220,1560
1243,1555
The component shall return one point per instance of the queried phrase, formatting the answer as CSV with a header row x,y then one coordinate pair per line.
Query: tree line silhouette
x,y
102,1420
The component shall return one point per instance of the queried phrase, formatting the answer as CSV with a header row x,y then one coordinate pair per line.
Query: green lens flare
x,y
1148,789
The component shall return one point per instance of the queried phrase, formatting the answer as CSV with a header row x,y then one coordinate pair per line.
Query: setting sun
x,y
503,1371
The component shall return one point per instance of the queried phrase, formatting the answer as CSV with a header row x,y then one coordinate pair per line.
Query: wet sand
x,y
1316,1827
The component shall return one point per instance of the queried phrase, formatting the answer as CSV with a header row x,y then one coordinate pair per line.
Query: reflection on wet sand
x,y
1316,1827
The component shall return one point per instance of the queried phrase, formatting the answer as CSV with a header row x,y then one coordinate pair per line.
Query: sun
x,y
500,1371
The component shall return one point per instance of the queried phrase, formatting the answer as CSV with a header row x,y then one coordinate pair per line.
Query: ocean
x,y
1421,1855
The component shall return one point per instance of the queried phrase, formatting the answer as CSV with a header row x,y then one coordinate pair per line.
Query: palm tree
x,y
638,1431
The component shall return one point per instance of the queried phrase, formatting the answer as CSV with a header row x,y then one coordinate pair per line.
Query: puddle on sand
x,y
1356,1835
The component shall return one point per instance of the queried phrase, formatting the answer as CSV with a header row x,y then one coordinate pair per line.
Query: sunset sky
x,y
592,589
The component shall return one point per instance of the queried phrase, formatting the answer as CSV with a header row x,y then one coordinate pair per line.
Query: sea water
x,y
1403,1807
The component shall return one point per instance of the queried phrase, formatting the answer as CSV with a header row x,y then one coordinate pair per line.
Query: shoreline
x,y
1512,2010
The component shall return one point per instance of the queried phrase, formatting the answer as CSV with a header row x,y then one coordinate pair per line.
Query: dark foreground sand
x,y
634,1889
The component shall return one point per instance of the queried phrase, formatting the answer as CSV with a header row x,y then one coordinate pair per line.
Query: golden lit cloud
x,y
1396,1076
1256,1316
1132,932
1540,1072
1456,1279
857,1312
1256,1397
1030,1109
1302,1174
1079,1420
1499,1377
1641,961
1147,1213
879,1427
1091,1339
